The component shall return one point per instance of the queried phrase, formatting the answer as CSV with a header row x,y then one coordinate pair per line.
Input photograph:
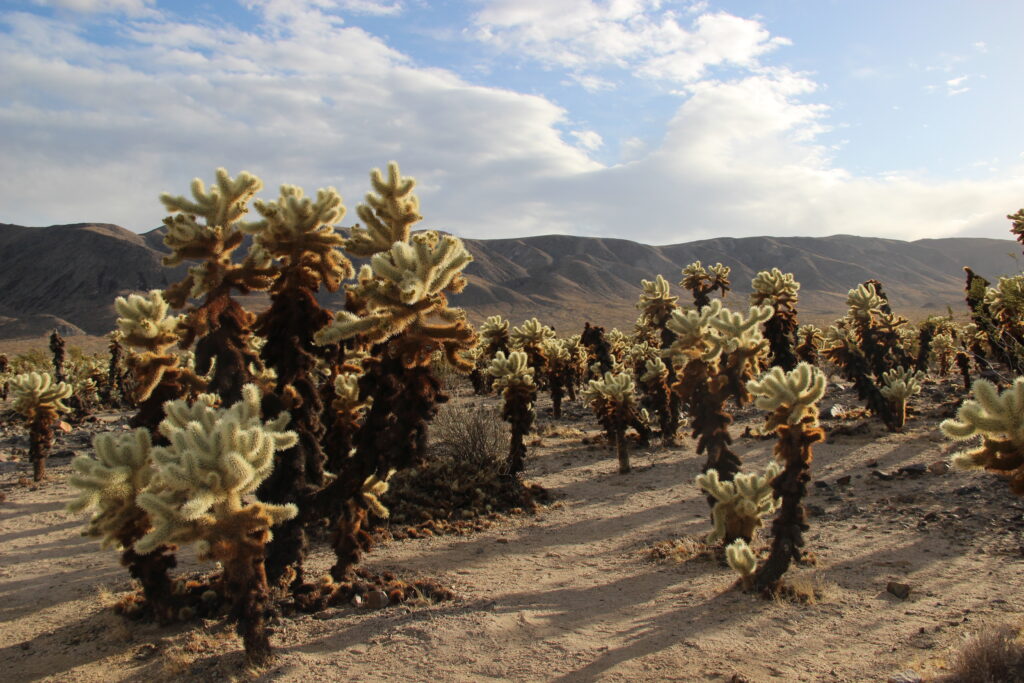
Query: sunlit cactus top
x,y
300,232
654,370
696,276
495,326
740,332
389,214
531,333
110,482
35,391
899,384
555,351
792,396
741,503
770,286
693,332
216,457
997,418
144,321
615,388
656,302
863,300
1007,298
809,334
511,371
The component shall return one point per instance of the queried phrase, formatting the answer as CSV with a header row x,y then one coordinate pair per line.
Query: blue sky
x,y
646,119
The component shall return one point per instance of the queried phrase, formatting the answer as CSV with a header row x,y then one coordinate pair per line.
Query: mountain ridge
x,y
73,272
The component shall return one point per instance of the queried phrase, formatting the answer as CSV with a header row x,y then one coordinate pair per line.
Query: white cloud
x,y
588,139
99,6
96,132
584,35
955,86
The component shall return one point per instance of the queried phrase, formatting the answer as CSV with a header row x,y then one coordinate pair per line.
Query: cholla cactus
x,y
348,410
389,214
778,290
998,420
57,347
792,401
158,375
215,459
656,305
809,341
863,301
513,377
530,338
109,483
613,399
702,281
741,503
40,401
943,347
599,351
298,233
899,384
557,368
494,336
741,558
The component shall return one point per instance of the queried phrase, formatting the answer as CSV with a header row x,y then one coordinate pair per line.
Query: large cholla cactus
x,y
701,281
399,306
716,351
215,459
530,338
109,483
809,342
791,398
613,399
219,326
40,401
997,419
298,233
898,385
842,348
741,503
656,305
494,336
513,377
557,368
778,290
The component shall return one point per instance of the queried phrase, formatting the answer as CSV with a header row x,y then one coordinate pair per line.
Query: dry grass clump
x,y
474,437
682,550
995,654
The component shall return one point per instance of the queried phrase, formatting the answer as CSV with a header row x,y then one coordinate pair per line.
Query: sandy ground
x,y
571,593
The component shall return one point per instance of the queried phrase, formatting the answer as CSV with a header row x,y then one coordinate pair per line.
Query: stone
x,y
914,470
900,590
939,467
843,481
376,599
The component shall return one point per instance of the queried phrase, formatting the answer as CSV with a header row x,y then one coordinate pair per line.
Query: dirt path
x,y
571,593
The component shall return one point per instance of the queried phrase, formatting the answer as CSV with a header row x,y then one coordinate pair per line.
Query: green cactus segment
x,y
389,214
899,384
145,322
997,419
111,481
37,393
300,232
741,503
215,457
741,558
791,396
511,371
773,285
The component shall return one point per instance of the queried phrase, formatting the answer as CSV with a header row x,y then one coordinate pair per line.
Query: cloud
x,y
955,86
588,139
94,132
99,6
637,35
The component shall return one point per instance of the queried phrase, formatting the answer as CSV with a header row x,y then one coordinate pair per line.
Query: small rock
x,y
914,470
501,540
879,474
843,481
900,590
376,599
931,516
966,490
871,463
357,601
939,467
821,484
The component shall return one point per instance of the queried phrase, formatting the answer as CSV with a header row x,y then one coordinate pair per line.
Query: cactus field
x,y
390,490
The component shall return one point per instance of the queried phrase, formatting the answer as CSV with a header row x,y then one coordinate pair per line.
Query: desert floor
x,y
573,592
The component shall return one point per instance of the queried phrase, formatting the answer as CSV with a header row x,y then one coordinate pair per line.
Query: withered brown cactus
x,y
809,342
963,363
792,400
219,327
39,400
513,377
59,354
598,348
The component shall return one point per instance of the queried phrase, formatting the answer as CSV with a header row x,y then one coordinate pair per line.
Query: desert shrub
x,y
470,436
994,654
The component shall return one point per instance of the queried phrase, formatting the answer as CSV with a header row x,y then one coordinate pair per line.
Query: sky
x,y
651,120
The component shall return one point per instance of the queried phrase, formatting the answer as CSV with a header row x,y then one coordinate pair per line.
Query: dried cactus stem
x,y
57,347
621,451
963,363
794,449
518,412
40,440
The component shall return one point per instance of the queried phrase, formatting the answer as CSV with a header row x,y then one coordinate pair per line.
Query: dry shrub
x,y
681,550
995,654
474,437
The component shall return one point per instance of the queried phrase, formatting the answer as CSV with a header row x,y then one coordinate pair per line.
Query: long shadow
x,y
65,647
18,598
63,547
6,538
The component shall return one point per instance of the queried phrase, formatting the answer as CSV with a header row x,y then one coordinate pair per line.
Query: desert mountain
x,y
73,272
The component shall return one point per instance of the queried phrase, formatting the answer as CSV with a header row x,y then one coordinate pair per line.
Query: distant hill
x,y
73,272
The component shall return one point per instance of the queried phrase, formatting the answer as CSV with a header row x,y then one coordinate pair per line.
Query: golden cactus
x,y
613,399
513,377
997,420
741,503
39,399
